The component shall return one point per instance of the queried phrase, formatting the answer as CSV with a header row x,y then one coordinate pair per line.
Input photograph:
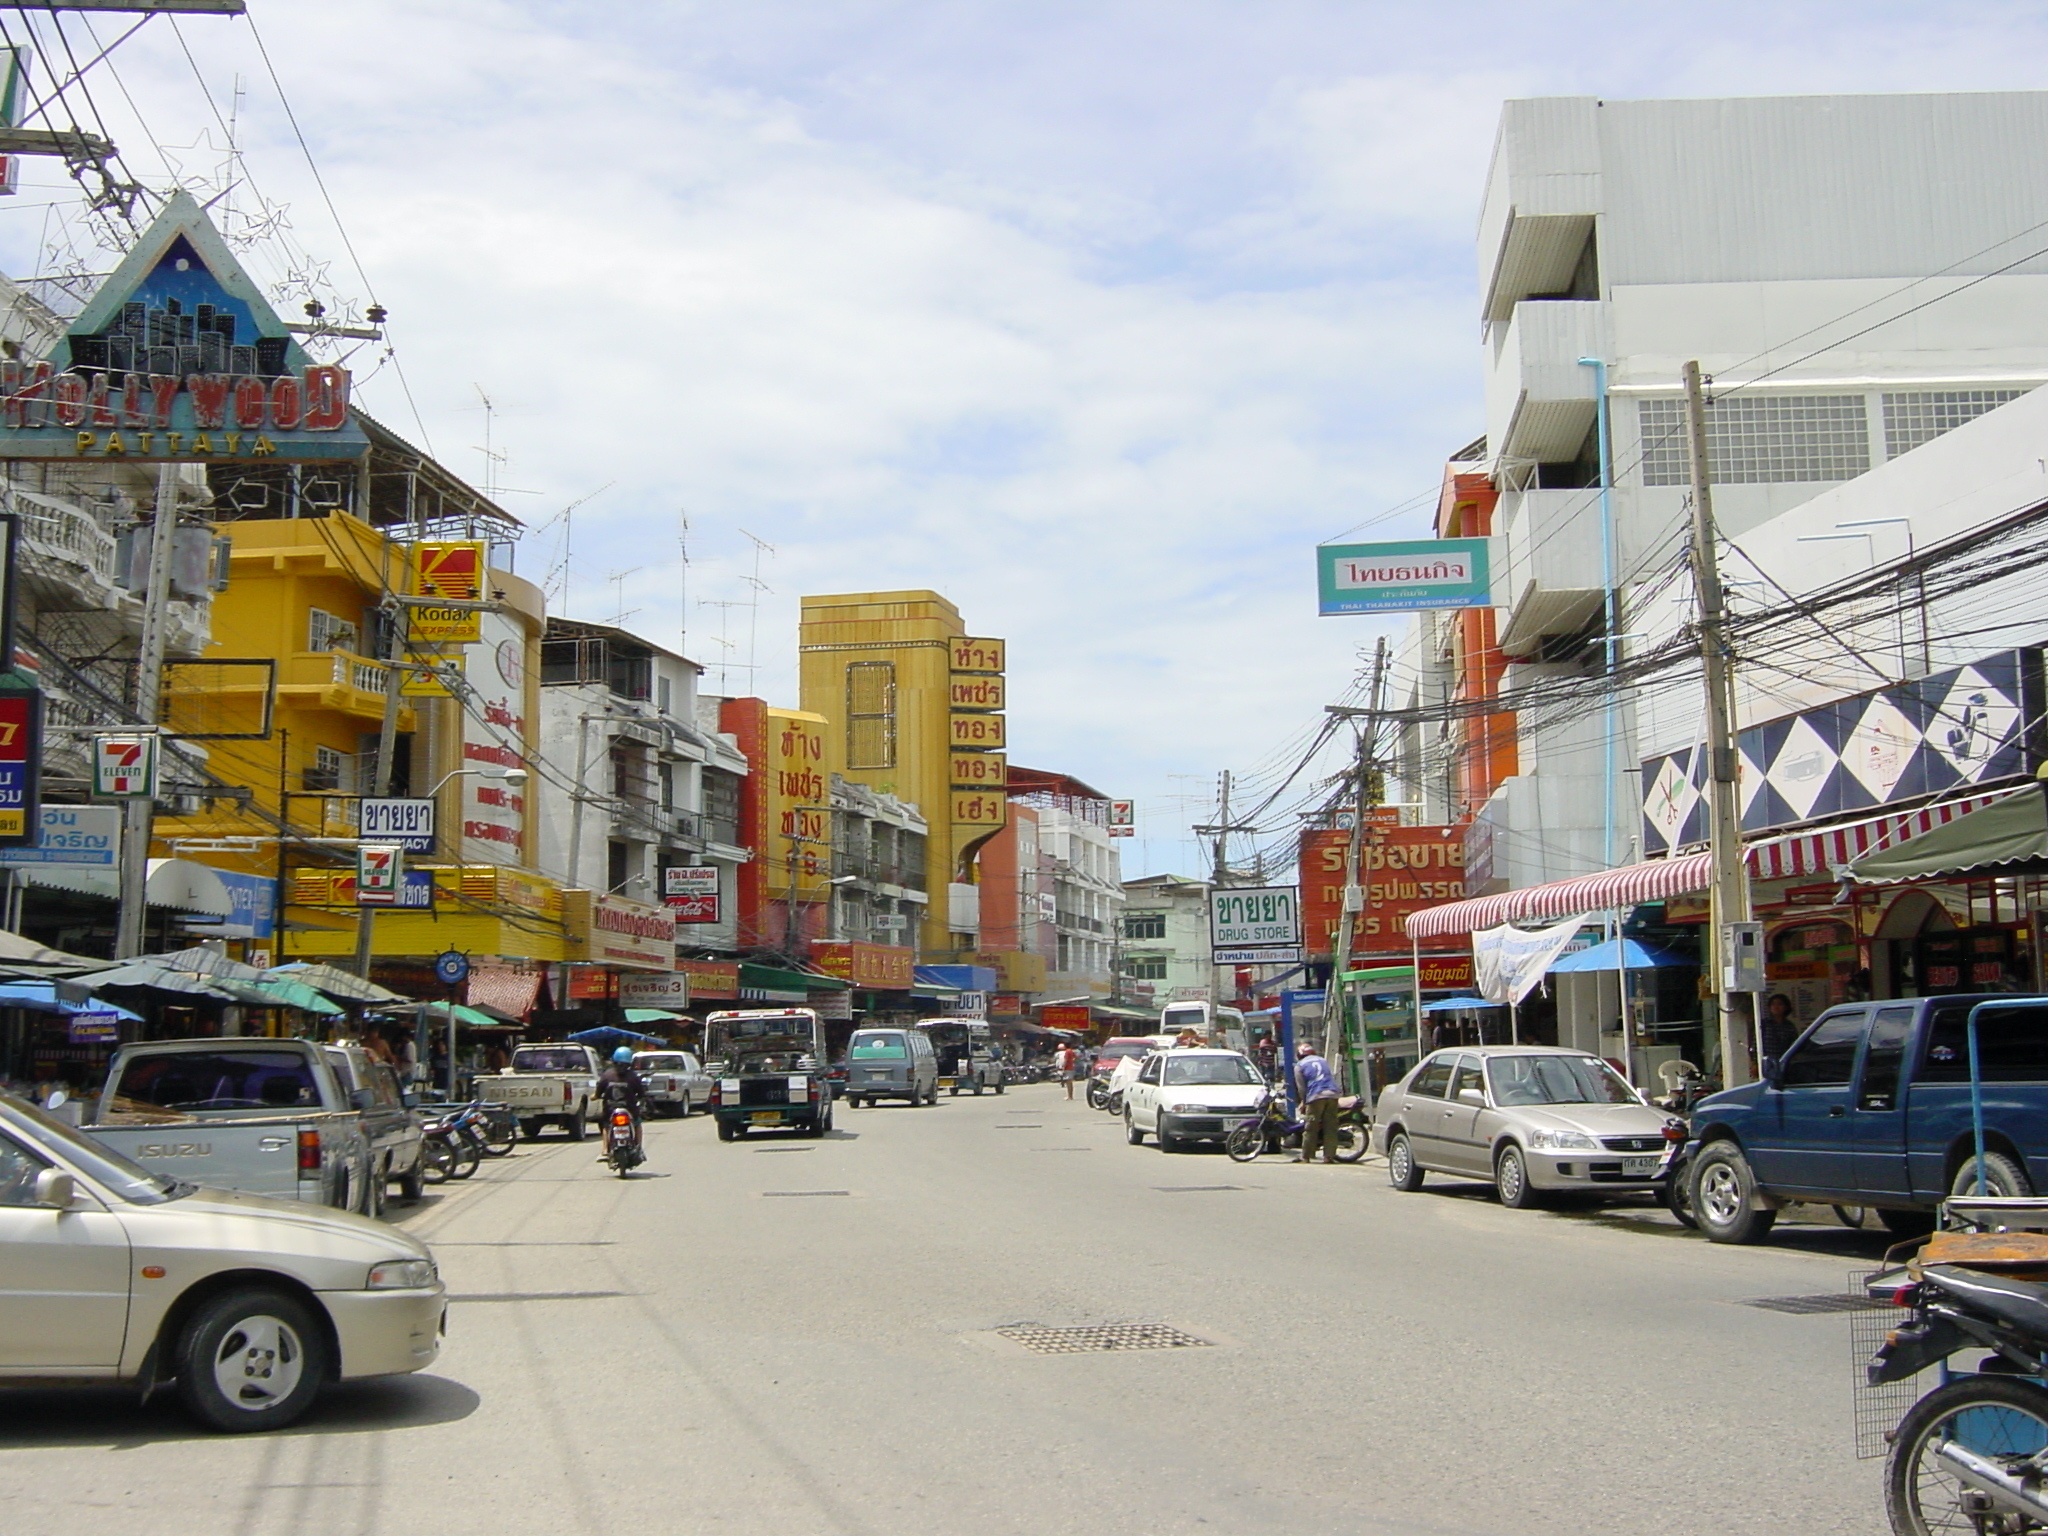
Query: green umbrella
x,y
650,1016
278,991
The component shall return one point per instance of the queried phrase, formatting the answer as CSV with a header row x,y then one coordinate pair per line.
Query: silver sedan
x,y
1531,1119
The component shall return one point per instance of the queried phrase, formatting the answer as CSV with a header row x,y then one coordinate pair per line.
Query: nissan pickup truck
x,y
547,1085
768,1071
265,1117
1871,1106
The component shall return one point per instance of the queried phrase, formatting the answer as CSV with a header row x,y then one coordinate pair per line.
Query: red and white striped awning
x,y
1822,853
1818,854
1624,887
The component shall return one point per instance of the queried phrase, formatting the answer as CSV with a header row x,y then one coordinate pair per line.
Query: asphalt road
x,y
793,1335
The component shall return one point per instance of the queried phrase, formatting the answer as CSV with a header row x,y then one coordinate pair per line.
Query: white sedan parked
x,y
113,1273
1191,1095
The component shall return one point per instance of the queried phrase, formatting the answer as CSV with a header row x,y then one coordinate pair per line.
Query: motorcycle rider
x,y
620,1084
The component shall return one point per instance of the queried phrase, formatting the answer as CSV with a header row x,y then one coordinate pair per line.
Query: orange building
x,y
1486,756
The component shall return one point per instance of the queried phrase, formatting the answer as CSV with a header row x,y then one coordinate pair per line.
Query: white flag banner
x,y
1507,961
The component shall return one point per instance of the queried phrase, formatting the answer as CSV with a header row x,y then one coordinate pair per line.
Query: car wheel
x,y
1511,1179
1000,1085
410,1185
530,1129
1402,1170
1907,1223
2002,1178
250,1359
1132,1134
1722,1191
1168,1142
977,1087
727,1130
577,1129
681,1111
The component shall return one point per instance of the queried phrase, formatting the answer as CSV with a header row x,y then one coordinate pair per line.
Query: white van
x,y
1217,1026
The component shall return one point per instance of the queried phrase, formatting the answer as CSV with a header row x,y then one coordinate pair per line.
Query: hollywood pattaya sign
x,y
178,357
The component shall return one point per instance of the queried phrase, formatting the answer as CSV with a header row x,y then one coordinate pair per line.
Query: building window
x,y
871,714
1913,419
329,632
1145,925
1759,439
331,771
1145,967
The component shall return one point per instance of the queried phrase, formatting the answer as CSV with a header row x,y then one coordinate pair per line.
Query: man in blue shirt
x,y
1318,1087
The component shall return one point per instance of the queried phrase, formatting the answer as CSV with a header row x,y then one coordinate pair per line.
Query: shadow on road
x,y
113,1418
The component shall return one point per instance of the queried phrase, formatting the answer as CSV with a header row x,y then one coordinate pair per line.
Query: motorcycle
x,y
1971,1454
1098,1091
448,1150
1273,1129
622,1148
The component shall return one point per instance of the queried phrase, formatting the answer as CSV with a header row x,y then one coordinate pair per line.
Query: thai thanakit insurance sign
x,y
1406,577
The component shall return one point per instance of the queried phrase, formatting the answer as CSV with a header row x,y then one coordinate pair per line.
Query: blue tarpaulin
x,y
1602,957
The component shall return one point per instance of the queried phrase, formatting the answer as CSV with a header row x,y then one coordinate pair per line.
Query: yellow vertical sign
x,y
799,809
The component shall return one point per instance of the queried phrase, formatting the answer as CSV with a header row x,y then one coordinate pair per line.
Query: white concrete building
x,y
1857,276
1166,938
657,790
1088,895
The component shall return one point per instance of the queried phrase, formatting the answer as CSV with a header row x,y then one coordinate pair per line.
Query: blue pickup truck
x,y
1871,1107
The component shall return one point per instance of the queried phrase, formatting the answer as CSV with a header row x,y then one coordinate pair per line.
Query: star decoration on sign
x,y
202,167
265,222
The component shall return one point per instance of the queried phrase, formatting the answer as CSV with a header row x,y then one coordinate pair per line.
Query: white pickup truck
x,y
268,1117
547,1085
677,1084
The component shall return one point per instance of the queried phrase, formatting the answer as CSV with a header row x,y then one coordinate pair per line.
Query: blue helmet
x,y
623,1055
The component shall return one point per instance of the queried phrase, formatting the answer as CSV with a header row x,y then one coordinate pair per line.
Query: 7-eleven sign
x,y
380,873
124,767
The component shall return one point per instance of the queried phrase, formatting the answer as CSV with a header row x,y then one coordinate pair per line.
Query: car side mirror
x,y
1472,1096
1774,1071
409,1100
57,1100
363,1098
56,1189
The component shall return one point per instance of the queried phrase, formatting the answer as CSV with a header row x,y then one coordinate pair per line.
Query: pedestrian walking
x,y
1318,1087
1064,1060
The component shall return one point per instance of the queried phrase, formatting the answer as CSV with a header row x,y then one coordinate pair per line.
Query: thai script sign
x,y
1406,577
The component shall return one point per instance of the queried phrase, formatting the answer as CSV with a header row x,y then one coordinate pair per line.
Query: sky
x,y
1094,317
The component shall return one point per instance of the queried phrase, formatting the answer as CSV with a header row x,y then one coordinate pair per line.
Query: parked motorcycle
x,y
448,1150
1273,1129
1972,1454
1098,1092
622,1145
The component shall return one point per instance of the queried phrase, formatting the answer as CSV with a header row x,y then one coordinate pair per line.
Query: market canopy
x,y
651,1016
337,983
605,1034
1618,955
1458,1004
2006,832
41,996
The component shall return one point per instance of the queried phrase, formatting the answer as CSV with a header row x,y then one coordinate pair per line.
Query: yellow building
x,y
317,596
914,705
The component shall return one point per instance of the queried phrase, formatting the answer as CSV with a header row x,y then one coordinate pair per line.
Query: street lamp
x,y
482,771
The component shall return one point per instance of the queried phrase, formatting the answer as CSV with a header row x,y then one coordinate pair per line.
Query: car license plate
x,y
1639,1167
767,1117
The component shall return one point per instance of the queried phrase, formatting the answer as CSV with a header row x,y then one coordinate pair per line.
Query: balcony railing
x,y
71,537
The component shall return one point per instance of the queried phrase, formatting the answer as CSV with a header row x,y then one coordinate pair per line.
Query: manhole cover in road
x,y
1806,1305
1105,1336
1195,1189
799,1194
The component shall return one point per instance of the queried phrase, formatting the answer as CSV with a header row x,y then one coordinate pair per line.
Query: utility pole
x,y
1730,899
1352,907
380,772
1221,829
138,814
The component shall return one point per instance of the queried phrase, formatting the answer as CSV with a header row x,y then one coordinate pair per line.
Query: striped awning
x,y
1652,880
1821,854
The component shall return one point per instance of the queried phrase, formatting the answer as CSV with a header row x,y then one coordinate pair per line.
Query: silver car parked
x,y
1530,1118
